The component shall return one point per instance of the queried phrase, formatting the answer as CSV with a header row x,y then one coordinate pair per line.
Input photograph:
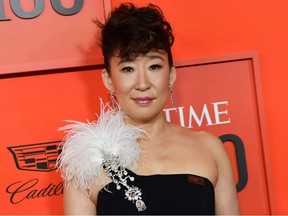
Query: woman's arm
x,y
77,201
226,201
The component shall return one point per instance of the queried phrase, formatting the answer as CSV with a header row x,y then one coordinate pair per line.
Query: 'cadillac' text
x,y
21,191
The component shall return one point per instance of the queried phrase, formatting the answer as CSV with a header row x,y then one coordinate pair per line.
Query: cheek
x,y
121,85
162,83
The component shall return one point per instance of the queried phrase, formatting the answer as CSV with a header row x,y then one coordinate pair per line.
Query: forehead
x,y
157,54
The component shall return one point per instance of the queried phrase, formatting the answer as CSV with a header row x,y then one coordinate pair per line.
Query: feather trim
x,y
81,158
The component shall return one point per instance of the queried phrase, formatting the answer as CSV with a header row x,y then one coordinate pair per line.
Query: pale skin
x,y
142,86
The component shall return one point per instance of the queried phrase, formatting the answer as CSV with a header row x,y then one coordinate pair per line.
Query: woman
x,y
132,161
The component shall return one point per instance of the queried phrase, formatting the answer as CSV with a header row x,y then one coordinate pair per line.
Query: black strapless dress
x,y
172,194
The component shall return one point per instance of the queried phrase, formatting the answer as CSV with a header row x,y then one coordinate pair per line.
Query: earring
x,y
113,99
171,95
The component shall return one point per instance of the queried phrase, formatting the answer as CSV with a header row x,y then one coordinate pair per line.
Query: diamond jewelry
x,y
119,176
171,95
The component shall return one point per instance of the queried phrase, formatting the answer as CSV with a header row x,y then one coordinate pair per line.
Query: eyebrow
x,y
150,56
154,56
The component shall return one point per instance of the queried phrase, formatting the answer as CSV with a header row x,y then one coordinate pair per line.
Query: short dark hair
x,y
130,31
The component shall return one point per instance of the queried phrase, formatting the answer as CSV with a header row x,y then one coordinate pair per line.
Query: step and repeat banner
x,y
49,57
50,71
49,34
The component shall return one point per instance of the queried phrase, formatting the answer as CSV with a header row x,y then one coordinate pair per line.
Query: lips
x,y
143,100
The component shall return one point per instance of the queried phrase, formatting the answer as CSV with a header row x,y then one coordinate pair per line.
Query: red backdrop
x,y
50,73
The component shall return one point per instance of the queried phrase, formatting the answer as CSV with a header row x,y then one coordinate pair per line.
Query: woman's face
x,y
141,85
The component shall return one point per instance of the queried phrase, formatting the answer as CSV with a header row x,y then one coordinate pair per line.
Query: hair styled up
x,y
130,31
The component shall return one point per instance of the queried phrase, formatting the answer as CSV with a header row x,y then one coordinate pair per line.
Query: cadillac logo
x,y
36,157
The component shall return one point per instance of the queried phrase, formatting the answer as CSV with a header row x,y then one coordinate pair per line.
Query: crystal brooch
x,y
119,176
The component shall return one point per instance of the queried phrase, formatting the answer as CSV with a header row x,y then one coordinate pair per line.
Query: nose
x,y
142,81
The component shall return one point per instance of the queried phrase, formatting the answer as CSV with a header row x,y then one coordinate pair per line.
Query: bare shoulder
x,y
225,187
198,147
209,145
206,139
210,142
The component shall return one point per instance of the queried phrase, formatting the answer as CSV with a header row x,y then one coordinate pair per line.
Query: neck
x,y
154,129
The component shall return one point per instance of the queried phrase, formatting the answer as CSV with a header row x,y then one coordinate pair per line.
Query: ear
x,y
107,81
173,75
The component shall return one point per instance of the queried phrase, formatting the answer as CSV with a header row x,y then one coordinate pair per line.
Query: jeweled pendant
x,y
140,205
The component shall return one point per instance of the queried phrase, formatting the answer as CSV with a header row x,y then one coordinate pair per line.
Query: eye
x,y
127,69
155,67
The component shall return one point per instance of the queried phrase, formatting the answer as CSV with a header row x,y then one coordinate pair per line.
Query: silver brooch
x,y
119,176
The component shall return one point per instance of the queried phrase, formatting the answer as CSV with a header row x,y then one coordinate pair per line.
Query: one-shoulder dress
x,y
163,194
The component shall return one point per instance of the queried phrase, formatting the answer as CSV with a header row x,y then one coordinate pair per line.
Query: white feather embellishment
x,y
81,158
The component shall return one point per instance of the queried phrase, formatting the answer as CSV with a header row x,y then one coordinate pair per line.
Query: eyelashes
x,y
153,67
127,69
